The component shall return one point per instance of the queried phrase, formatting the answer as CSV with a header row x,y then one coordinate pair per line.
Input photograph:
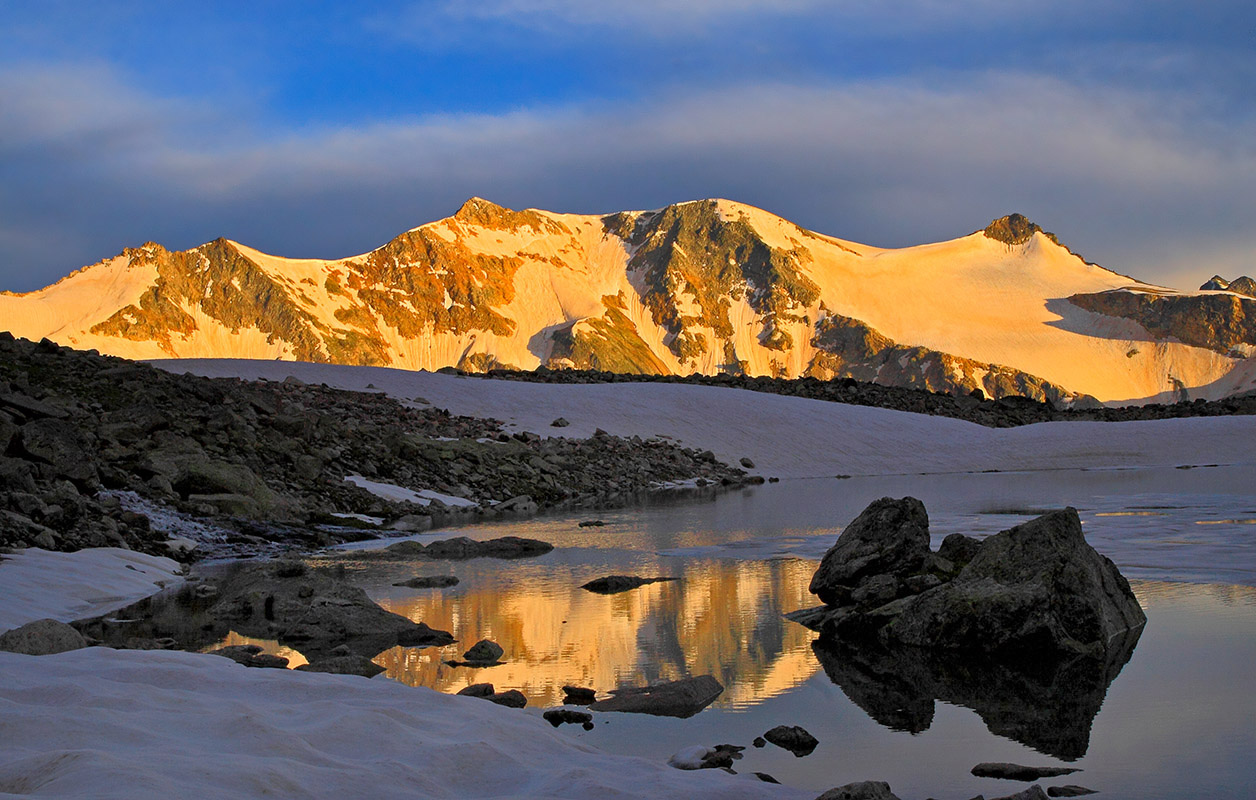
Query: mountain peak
x,y
1012,229
487,214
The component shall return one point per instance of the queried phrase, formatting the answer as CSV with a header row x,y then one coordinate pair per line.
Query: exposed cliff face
x,y
695,264
848,348
709,286
1220,322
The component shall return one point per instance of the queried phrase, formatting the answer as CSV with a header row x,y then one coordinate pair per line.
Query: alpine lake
x,y
1178,719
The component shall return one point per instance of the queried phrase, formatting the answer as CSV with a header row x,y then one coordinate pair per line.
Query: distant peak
x,y
1012,229
478,207
487,214
1215,284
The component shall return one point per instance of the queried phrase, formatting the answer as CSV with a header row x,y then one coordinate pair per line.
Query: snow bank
x,y
35,584
400,494
100,723
789,437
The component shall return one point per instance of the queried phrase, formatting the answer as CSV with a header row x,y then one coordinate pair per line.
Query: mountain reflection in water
x,y
721,618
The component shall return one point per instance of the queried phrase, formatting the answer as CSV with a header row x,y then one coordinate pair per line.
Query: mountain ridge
x,y
705,286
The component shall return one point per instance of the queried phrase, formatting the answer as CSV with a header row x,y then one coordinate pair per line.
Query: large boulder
x,y
1038,586
62,446
890,537
1035,589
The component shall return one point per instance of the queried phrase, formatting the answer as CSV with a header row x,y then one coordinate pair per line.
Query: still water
x,y
1177,720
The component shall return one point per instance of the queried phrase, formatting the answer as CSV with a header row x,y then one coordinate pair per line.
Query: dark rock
x,y
421,635
747,463
62,445
316,610
759,741
511,698
477,690
251,655
793,738
766,778
863,790
1032,793
344,665
613,584
522,505
429,582
30,407
1069,790
889,537
591,523
958,548
682,698
578,696
1017,772
42,637
1038,587
563,716
560,423
462,548
484,652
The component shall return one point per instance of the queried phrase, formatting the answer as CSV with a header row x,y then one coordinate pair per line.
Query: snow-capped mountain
x,y
706,286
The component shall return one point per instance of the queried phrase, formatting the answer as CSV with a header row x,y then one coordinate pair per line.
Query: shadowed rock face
x,y
1048,705
1220,322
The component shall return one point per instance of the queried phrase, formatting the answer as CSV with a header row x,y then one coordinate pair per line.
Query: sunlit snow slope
x,y
707,286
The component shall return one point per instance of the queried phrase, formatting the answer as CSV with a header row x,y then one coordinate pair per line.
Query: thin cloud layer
x,y
92,165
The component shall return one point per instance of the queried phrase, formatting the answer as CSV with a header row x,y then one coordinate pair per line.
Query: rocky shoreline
x,y
100,451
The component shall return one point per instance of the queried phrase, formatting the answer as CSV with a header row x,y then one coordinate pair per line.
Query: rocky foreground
x,y
101,451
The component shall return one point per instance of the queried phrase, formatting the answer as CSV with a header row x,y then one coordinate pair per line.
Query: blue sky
x,y
324,129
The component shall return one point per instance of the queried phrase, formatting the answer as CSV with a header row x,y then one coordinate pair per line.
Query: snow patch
x,y
400,494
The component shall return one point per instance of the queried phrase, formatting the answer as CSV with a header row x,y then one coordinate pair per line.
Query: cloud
x,y
1120,180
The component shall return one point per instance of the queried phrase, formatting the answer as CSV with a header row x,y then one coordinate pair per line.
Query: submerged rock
x,y
344,665
1018,772
461,548
578,696
613,584
428,582
682,698
863,790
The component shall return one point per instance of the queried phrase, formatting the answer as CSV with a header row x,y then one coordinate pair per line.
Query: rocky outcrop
x,y
793,738
91,445
682,698
849,348
1225,323
1241,285
1035,589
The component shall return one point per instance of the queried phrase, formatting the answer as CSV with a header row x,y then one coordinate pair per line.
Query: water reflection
x,y
1047,705
721,618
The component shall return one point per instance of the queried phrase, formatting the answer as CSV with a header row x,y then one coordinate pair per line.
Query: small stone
x,y
578,696
563,716
559,423
793,738
484,652
759,741
747,463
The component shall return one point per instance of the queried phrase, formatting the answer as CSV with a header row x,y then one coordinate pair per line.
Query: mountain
x,y
705,286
